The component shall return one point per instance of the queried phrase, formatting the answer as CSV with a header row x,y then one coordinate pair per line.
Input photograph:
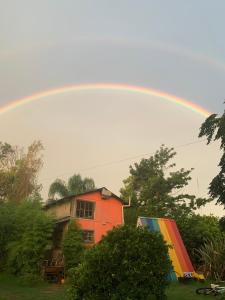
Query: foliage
x,y
18,171
26,234
129,263
73,246
195,231
11,288
8,228
154,189
222,223
76,185
212,257
214,129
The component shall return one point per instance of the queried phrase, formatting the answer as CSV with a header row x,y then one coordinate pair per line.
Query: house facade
x,y
96,212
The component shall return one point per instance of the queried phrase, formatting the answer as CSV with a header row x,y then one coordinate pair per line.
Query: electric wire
x,y
121,160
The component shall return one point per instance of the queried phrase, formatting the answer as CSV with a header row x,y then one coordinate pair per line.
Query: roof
x,y
102,190
63,220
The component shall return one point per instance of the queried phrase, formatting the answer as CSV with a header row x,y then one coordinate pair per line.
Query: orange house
x,y
96,211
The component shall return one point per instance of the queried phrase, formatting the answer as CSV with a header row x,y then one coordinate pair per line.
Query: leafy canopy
x,y
195,231
8,229
73,245
155,189
75,185
26,236
18,171
129,263
214,129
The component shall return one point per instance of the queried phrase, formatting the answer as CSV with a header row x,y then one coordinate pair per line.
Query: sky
x,y
176,47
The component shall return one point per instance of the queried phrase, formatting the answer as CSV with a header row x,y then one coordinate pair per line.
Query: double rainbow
x,y
108,87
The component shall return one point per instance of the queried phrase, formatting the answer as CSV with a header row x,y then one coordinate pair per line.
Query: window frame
x,y
86,241
85,217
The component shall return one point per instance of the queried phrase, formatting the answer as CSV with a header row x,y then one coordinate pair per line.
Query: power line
x,y
124,159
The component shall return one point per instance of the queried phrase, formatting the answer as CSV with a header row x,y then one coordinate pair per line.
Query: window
x,y
88,236
85,209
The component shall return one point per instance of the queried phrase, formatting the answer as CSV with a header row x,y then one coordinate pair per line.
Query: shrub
x,y
8,229
32,240
73,246
129,263
212,257
195,231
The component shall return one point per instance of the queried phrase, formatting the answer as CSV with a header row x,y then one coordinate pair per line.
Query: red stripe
x,y
176,243
189,266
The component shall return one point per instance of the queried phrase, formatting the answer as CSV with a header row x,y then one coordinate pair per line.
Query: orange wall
x,y
108,213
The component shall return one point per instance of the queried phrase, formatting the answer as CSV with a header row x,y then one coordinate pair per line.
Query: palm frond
x,y
58,188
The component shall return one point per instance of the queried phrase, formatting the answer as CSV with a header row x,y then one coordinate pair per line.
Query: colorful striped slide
x,y
182,266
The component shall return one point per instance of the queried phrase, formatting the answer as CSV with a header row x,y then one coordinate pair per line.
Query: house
x,y
96,211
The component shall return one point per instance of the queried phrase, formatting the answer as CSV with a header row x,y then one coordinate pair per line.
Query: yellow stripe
x,y
172,252
106,86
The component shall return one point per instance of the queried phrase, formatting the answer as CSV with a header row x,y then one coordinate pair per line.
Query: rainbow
x,y
105,86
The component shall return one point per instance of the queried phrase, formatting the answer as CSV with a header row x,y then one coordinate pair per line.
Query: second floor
x,y
99,205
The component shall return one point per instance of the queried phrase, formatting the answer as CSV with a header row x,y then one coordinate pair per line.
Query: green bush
x,y
195,231
73,246
32,239
212,258
8,229
129,264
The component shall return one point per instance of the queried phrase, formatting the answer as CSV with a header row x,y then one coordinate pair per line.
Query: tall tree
x,y
18,171
155,190
75,185
214,129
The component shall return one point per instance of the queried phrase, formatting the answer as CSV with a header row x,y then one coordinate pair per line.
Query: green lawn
x,y
181,291
11,289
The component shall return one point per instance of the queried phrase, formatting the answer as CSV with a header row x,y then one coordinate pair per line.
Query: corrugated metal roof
x,y
66,199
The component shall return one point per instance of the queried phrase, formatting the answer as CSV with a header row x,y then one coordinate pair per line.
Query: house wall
x,y
108,213
60,210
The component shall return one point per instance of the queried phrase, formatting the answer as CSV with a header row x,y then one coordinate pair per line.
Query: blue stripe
x,y
152,225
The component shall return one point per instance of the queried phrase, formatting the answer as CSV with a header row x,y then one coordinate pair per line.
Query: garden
x,y
11,288
129,262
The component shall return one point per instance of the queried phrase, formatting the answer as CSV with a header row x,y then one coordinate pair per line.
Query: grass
x,y
12,289
186,291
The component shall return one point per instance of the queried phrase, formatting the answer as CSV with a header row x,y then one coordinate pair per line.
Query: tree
x,y
18,171
8,229
73,246
155,190
214,129
8,159
195,231
222,224
75,185
129,263
25,237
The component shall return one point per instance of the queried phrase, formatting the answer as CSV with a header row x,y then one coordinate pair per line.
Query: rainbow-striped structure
x,y
182,266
